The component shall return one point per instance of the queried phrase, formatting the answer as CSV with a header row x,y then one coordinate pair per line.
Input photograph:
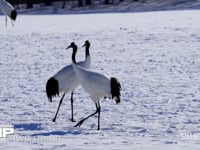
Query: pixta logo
x,y
6,130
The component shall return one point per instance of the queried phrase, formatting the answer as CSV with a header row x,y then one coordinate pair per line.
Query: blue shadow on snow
x,y
57,133
28,126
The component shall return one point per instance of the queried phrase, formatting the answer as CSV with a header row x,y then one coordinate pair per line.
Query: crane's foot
x,y
79,123
72,120
54,119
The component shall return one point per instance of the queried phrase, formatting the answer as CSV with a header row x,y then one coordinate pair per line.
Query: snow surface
x,y
155,55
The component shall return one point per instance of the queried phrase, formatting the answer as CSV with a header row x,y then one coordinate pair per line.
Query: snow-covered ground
x,y
155,55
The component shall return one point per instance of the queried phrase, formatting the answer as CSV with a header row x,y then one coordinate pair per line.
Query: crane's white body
x,y
96,84
8,10
6,7
67,78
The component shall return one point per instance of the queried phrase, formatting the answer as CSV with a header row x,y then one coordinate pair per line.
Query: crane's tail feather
x,y
13,15
52,88
115,89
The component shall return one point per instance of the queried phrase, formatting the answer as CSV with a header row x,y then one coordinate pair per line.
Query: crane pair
x,y
97,85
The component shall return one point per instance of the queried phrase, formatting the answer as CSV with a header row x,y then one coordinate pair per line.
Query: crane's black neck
x,y
74,54
87,52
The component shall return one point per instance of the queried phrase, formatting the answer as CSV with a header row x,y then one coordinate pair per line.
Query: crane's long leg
x,y
54,119
6,21
72,107
98,109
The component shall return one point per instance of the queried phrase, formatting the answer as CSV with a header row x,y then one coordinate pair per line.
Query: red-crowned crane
x,y
8,10
66,81
97,85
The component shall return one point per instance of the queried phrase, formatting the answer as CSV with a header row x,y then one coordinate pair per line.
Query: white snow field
x,y
155,55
